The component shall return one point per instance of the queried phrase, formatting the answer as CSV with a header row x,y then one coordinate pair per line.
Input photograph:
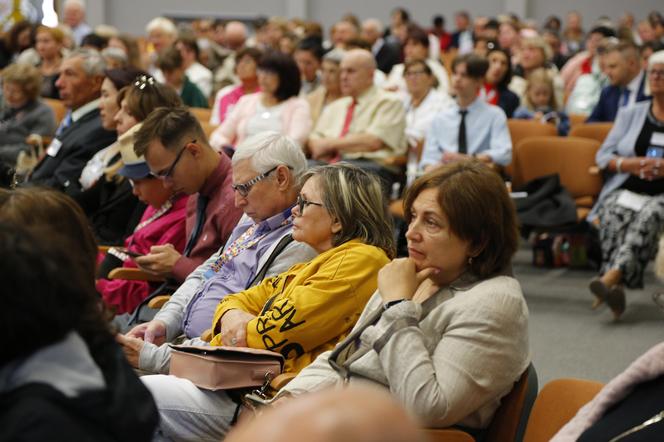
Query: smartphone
x,y
655,152
132,253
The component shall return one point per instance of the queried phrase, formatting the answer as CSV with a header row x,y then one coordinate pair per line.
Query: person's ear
x,y
194,148
336,226
284,177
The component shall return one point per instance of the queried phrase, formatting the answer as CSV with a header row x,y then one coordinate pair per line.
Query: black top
x,y
646,401
643,143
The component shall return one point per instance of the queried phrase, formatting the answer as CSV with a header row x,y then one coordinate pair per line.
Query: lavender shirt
x,y
235,275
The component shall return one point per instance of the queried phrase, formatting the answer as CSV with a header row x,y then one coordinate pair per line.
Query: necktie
x,y
64,124
463,144
349,118
201,205
624,98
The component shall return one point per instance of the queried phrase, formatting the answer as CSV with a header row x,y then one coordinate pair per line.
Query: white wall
x,y
132,15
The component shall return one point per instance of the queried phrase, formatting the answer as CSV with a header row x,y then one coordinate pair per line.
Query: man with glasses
x,y
266,172
177,152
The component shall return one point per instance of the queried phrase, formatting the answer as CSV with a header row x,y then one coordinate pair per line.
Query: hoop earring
x,y
470,260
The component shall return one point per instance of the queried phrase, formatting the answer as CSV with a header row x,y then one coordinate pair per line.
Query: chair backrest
x,y
522,129
207,128
58,107
509,422
202,114
575,119
570,157
595,131
557,404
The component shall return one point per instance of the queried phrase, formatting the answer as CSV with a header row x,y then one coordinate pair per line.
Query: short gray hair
x,y
93,63
334,56
656,58
163,24
270,149
376,24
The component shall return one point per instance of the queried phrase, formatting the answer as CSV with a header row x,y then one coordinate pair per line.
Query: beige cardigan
x,y
452,366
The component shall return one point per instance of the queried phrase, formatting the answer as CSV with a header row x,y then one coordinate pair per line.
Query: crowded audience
x,y
266,220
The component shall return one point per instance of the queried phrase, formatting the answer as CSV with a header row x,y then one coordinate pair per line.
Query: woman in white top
x,y
417,48
275,108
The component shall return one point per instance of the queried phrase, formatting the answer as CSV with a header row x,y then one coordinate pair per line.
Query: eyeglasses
x,y
302,203
414,73
167,174
656,73
142,81
244,188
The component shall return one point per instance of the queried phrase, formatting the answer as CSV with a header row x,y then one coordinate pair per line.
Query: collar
x,y
275,221
367,95
376,47
477,102
84,110
214,182
633,85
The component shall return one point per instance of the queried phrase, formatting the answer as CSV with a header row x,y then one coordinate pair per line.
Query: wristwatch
x,y
391,303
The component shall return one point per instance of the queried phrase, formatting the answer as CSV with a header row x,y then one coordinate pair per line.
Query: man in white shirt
x,y
471,127
196,72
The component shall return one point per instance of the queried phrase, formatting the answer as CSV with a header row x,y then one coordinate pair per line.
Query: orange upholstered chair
x,y
595,131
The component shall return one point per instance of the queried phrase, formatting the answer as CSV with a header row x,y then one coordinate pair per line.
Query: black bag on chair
x,y
547,205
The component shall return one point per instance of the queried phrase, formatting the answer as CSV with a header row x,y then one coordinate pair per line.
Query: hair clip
x,y
143,80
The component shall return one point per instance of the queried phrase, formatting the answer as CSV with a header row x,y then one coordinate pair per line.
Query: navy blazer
x,y
387,56
609,102
80,142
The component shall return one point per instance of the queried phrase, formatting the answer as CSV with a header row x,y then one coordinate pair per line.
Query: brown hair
x,y
170,126
478,208
56,33
141,102
476,65
355,198
540,76
170,60
26,76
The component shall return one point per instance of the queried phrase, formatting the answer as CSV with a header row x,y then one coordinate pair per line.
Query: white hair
x,y
162,24
656,58
115,54
270,149
93,62
79,3
376,24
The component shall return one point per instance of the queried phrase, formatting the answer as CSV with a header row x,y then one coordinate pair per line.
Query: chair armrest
x,y
396,160
593,170
158,301
447,435
133,275
103,249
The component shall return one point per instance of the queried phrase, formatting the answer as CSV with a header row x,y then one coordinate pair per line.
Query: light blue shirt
x,y
486,133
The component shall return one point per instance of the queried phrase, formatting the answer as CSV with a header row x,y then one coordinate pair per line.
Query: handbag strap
x,y
281,245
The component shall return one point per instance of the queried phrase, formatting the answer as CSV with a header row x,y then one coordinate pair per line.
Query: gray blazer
x,y
36,118
619,143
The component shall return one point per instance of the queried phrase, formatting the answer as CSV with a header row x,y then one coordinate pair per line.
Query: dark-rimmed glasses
x,y
244,188
302,203
167,174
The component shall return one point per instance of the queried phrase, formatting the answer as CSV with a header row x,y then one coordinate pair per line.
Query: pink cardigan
x,y
646,368
296,121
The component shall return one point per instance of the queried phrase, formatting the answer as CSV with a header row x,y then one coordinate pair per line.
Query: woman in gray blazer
x,y
22,113
630,209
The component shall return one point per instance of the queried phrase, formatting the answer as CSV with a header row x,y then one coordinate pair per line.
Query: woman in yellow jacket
x,y
303,312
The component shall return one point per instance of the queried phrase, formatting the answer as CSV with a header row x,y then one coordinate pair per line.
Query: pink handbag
x,y
223,368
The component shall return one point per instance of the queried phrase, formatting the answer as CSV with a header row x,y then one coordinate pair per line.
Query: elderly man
x,y
74,17
80,134
178,153
235,38
161,34
366,126
387,54
266,170
627,80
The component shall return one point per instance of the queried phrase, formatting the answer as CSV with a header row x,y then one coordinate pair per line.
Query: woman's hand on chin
x,y
400,279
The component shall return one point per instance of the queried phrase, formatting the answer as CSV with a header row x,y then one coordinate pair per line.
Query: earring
x,y
470,260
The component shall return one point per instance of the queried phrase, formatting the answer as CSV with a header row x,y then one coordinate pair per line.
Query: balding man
x,y
74,17
366,126
80,134
387,54
235,38
623,67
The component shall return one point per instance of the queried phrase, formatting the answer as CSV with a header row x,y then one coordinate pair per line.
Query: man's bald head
x,y
235,34
357,71
359,413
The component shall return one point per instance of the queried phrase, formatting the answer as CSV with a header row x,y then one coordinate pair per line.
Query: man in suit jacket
x,y
386,53
80,134
623,67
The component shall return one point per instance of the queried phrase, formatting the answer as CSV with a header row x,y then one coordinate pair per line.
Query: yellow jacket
x,y
310,307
